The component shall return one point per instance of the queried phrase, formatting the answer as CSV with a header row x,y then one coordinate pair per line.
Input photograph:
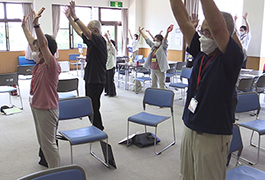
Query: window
x,y
12,37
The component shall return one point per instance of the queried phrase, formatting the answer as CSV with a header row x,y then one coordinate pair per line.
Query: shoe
x,y
106,94
112,95
43,163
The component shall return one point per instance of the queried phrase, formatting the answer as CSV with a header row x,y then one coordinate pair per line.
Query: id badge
x,y
153,59
193,105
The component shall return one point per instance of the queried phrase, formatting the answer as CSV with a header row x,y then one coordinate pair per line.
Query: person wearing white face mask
x,y
157,58
43,91
245,38
211,99
135,44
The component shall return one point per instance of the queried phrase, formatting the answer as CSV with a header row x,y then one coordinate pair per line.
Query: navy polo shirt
x,y
95,71
215,112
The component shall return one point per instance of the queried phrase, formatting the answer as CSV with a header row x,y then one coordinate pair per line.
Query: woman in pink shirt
x,y
43,91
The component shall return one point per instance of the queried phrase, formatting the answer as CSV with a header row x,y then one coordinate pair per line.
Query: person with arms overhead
x,y
43,90
209,110
157,58
135,44
96,57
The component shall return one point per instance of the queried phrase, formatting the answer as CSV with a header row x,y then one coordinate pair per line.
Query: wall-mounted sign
x,y
115,4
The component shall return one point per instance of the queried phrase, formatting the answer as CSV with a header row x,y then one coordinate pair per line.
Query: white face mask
x,y
156,44
242,33
208,45
35,56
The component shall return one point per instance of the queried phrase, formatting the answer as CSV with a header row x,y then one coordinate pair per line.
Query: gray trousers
x,y
159,76
46,121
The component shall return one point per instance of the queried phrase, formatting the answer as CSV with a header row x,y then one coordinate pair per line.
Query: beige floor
x,y
19,148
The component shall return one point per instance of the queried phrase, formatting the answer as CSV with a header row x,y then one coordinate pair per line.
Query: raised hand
x,y
24,20
66,11
170,28
235,17
72,8
245,16
37,16
194,20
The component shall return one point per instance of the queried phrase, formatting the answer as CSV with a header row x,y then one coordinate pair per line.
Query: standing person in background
x,y
95,70
209,110
110,89
135,44
245,38
157,58
152,34
43,91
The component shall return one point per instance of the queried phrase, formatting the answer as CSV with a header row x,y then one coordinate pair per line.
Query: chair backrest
x,y
73,56
69,172
67,85
236,143
138,57
8,79
25,70
260,84
172,68
159,97
75,108
248,101
185,73
245,84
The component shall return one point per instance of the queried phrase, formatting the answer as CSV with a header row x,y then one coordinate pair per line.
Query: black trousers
x,y
94,91
110,88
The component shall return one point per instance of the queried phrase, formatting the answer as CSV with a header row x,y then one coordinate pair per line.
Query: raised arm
x,y
182,17
246,22
150,34
130,33
69,17
169,29
142,33
80,24
216,24
42,41
27,33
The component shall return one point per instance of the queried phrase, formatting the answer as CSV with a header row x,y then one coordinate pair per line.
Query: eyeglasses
x,y
206,33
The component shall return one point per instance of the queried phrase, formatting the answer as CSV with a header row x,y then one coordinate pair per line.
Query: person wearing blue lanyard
x,y
209,110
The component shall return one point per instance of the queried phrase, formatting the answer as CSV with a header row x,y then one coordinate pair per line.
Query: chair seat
x,y
66,95
5,89
245,173
169,75
143,79
84,135
256,125
178,85
147,119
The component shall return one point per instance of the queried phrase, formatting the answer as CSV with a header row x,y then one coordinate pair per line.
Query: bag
x,y
145,139
138,85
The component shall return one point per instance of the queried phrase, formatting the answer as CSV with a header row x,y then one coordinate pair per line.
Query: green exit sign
x,y
115,4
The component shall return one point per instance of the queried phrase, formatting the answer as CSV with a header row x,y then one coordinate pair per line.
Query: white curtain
x,y
56,23
124,13
27,9
192,6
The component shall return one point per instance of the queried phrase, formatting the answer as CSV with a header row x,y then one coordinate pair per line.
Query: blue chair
x,y
138,58
185,74
69,172
66,86
244,173
161,98
249,101
79,107
74,61
236,144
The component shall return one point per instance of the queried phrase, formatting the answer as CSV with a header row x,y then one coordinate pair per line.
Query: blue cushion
x,y
256,125
143,79
244,173
147,119
22,61
65,95
84,135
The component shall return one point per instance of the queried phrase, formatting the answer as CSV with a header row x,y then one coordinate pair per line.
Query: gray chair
x,y
259,86
70,172
78,107
66,86
160,98
6,85
245,84
25,70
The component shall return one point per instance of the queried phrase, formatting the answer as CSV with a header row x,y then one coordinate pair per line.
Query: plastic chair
x,y
161,98
65,86
171,73
73,57
138,58
6,85
245,84
259,86
185,74
25,70
79,107
249,101
69,172
244,173
236,144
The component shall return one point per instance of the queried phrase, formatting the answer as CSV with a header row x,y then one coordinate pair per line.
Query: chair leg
x,y
107,155
71,154
20,97
168,146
